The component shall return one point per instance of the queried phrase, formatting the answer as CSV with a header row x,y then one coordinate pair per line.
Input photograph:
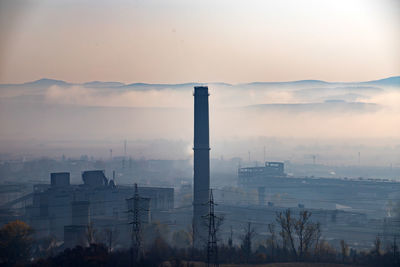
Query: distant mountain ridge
x,y
45,82
392,81
98,84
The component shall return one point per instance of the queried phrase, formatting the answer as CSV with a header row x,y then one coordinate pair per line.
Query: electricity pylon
x,y
136,227
212,248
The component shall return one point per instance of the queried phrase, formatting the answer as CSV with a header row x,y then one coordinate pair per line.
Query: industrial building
x,y
274,187
257,175
64,211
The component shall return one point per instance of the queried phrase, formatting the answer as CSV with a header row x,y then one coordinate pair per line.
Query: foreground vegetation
x,y
295,240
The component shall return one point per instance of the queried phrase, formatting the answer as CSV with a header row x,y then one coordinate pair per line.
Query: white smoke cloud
x,y
82,96
228,118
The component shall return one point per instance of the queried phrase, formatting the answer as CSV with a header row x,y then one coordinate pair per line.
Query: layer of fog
x,y
293,121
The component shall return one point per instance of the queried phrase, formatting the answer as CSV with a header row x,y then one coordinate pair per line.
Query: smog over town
x,y
188,133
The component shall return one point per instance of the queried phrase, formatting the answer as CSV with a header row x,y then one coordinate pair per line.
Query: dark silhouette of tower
x,y
201,164
230,240
212,248
125,149
136,231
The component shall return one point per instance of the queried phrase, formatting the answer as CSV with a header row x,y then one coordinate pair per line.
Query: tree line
x,y
291,238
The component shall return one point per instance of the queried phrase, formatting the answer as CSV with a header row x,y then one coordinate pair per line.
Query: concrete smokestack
x,y
201,164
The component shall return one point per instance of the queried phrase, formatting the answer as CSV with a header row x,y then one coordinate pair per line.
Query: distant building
x,y
63,210
273,185
94,178
60,179
254,176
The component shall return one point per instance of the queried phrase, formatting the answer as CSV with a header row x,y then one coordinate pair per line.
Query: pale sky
x,y
160,41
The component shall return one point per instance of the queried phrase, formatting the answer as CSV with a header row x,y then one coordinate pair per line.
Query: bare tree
x,y
271,241
299,231
394,250
230,240
344,249
218,223
300,227
192,234
45,247
317,238
311,235
90,234
247,241
110,238
377,247
287,223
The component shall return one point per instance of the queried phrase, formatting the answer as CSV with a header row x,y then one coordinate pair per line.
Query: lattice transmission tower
x,y
212,248
136,245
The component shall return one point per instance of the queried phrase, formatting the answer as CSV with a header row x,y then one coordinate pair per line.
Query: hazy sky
x,y
180,41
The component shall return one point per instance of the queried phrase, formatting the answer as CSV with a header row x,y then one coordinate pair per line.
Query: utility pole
x,y
125,148
110,241
230,244
124,159
136,231
264,154
230,240
212,248
394,250
247,241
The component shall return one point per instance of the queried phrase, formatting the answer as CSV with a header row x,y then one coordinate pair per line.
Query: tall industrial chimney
x,y
201,164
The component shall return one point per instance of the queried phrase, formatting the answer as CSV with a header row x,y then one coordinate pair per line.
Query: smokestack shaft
x,y
201,163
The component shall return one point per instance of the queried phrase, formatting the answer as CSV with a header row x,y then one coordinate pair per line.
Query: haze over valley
x,y
293,120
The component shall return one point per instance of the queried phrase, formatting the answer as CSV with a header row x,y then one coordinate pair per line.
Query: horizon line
x,y
201,83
